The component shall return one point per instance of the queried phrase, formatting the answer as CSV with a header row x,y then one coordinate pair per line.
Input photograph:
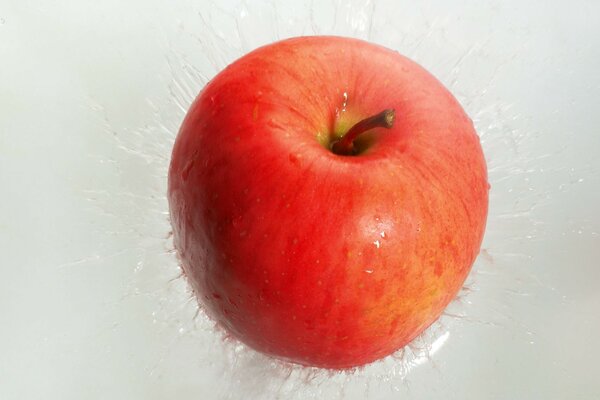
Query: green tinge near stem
x,y
345,145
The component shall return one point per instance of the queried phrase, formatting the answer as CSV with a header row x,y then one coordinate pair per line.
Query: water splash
x,y
499,282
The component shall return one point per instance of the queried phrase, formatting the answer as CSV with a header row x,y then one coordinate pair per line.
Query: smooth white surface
x,y
91,302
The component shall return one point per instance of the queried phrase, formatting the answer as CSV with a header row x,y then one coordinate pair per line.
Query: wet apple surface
x,y
325,258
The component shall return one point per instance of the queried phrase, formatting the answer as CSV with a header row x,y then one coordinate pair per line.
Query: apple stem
x,y
345,145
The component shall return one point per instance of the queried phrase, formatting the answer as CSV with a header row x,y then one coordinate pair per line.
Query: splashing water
x,y
503,303
501,279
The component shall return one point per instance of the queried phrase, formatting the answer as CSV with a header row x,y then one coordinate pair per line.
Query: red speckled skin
x,y
320,259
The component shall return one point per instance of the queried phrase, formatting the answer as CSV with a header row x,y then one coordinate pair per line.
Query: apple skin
x,y
321,259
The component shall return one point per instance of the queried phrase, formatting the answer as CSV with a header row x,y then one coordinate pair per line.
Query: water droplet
x,y
377,244
345,102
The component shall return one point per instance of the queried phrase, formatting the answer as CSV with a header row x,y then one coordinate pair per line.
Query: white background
x,y
92,304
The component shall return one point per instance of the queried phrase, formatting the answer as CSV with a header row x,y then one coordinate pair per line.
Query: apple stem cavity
x,y
345,145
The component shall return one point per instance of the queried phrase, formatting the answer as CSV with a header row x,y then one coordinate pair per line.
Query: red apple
x,y
310,246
